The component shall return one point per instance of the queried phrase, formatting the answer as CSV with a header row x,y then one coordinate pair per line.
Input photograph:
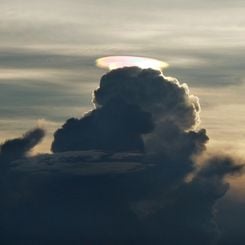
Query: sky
x,y
48,51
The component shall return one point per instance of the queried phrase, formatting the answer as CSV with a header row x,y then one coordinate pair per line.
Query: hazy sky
x,y
48,49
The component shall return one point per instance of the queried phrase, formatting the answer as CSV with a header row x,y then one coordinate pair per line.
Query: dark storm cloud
x,y
79,163
168,139
118,121
19,147
115,127
197,199
120,198
139,183
165,99
230,218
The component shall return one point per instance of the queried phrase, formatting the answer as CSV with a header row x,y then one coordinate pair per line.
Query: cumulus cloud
x,y
165,98
118,175
19,147
115,127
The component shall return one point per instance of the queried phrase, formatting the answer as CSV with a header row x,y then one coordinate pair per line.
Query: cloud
x,y
163,97
105,198
115,127
41,59
20,147
120,92
124,173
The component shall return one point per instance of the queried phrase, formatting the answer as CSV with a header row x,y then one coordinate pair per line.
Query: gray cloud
x,y
19,147
169,103
115,127
94,189
126,188
160,29
41,59
164,98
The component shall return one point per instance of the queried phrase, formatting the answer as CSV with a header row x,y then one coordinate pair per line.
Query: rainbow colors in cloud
x,y
115,62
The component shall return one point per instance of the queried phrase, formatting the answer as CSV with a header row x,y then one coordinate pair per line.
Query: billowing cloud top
x,y
163,97
129,103
124,173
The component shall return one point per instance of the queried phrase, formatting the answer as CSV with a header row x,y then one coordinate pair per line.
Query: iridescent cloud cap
x,y
115,62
